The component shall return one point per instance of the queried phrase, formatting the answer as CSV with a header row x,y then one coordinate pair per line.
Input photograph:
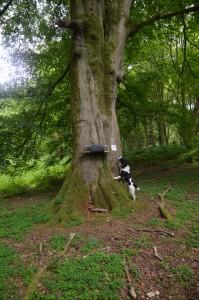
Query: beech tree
x,y
100,31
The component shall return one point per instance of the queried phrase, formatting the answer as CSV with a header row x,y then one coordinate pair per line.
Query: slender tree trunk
x,y
152,134
195,117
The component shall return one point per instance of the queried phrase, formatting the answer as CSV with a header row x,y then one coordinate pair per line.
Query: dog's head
x,y
122,160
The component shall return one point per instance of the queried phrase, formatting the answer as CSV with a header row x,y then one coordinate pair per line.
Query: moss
x,y
122,212
115,10
110,194
75,195
33,285
99,59
93,29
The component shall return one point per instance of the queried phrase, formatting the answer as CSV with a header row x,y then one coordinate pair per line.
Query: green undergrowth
x,y
182,200
92,274
92,269
13,273
41,179
15,222
179,274
155,155
97,276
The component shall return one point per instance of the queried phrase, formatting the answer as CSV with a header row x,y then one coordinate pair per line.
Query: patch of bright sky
x,y
7,70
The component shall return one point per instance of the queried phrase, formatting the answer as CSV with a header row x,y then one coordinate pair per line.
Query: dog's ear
x,y
121,159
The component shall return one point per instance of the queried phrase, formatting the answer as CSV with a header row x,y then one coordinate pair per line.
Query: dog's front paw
x,y
116,178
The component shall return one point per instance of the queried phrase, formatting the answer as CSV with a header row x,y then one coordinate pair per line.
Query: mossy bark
x,y
72,202
97,53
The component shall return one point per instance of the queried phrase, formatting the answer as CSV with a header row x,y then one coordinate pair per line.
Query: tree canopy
x,y
157,99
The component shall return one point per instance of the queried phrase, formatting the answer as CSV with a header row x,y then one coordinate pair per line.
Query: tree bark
x,y
96,68
100,30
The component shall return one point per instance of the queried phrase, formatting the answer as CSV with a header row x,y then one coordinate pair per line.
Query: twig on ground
x,y
167,190
68,244
162,208
41,253
156,254
33,284
131,287
153,293
156,230
100,210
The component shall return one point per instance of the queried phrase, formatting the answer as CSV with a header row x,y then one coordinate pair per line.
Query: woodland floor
x,y
116,234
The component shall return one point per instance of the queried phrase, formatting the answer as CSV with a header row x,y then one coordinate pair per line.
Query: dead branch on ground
x,y
156,254
162,207
41,253
68,244
156,230
131,287
162,196
100,210
33,284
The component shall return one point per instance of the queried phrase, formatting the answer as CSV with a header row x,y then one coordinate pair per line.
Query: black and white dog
x,y
125,173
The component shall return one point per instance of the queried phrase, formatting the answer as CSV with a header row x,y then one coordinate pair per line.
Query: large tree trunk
x,y
100,31
96,70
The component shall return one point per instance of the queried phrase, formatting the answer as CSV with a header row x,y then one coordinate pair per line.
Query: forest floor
x,y
173,273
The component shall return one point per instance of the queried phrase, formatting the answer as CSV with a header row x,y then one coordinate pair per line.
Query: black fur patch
x,y
126,176
123,162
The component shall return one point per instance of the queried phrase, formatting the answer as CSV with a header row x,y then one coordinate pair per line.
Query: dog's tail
x,y
136,186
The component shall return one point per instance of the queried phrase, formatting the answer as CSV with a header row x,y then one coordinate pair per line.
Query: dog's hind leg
x,y
132,191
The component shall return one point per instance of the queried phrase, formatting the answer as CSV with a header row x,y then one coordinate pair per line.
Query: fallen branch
x,y
68,244
100,210
167,190
41,253
131,287
162,207
165,212
153,293
33,284
157,230
156,254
